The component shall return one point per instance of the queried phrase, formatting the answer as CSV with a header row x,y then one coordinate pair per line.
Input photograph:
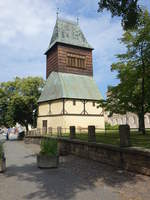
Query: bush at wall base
x,y
48,156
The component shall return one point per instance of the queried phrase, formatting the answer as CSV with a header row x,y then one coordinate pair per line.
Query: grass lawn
x,y
112,137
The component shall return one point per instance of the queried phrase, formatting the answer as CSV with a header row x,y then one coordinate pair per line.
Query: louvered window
x,y
74,60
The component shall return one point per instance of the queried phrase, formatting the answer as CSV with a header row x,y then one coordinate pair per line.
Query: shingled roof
x,y
64,85
68,32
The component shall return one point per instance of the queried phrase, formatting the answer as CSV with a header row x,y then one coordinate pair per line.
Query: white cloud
x,y
103,33
21,18
26,27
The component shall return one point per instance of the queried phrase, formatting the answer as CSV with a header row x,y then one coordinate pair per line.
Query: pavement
x,y
75,179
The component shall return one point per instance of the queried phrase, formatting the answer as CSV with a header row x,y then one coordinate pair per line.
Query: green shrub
x,y
110,127
49,147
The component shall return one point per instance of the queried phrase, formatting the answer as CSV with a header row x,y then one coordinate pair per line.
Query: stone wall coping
x,y
131,150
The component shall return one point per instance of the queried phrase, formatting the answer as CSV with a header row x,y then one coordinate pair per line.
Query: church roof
x,y
68,32
64,85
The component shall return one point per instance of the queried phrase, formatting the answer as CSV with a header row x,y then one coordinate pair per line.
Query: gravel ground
x,y
75,179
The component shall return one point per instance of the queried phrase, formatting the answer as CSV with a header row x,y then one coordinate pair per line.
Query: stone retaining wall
x,y
132,159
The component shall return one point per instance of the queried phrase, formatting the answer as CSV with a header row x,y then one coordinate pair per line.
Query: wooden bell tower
x,y
68,51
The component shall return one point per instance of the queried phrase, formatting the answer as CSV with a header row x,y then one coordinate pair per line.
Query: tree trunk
x,y
26,125
143,94
142,107
141,123
139,119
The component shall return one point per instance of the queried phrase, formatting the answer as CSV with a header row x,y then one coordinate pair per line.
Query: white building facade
x,y
130,118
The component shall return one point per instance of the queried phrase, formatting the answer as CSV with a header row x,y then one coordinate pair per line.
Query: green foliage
x,y
21,109
113,138
133,68
49,147
128,10
110,127
18,100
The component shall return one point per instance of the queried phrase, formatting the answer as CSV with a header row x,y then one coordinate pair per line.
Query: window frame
x,y
76,60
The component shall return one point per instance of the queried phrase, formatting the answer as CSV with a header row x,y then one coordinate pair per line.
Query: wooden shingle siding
x,y
57,60
62,60
52,61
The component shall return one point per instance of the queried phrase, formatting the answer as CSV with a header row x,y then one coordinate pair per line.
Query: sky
x,y
26,27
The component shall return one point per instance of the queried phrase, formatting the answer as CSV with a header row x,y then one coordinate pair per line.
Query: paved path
x,y
75,179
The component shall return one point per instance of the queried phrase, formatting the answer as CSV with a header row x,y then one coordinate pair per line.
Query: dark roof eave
x,y
90,48
45,101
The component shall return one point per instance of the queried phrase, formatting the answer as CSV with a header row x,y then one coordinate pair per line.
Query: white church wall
x,y
70,108
84,121
47,111
40,121
66,121
56,107
130,118
43,109
52,122
92,108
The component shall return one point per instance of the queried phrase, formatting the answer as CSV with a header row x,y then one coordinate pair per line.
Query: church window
x,y
74,60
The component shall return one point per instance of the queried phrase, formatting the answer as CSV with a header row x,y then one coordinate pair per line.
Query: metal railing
x,y
65,132
59,131
96,135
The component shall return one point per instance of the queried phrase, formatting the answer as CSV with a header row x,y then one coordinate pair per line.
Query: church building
x,y
70,95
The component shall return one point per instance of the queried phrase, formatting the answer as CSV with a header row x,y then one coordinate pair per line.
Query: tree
x,y
128,10
6,91
18,101
21,109
3,107
132,94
